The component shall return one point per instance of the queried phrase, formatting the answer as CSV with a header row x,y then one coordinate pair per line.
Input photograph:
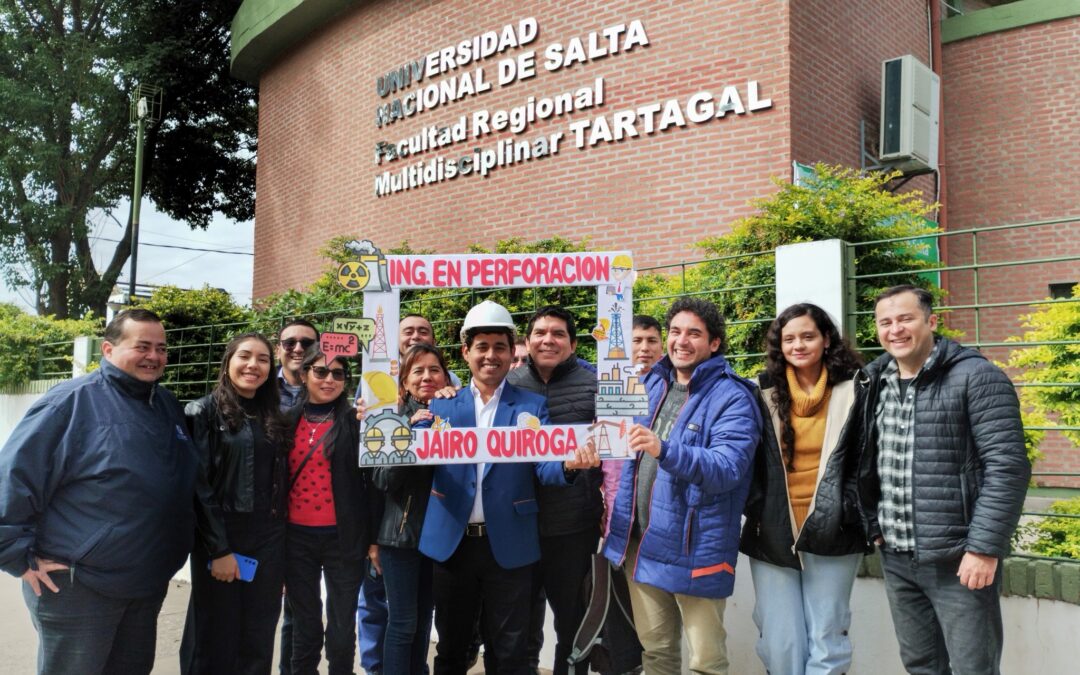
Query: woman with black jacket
x,y
327,535
406,571
240,513
802,530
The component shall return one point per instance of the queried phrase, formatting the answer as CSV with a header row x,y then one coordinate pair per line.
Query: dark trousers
x,y
311,554
941,625
471,576
371,617
565,561
81,632
407,578
230,626
285,650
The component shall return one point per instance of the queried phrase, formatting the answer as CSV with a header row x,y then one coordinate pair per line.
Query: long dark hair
x,y
415,352
267,400
343,413
839,360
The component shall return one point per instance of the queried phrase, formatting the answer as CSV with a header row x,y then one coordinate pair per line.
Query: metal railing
x,y
979,302
195,351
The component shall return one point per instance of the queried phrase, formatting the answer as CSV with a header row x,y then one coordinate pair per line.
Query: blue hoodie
x,y
99,475
695,508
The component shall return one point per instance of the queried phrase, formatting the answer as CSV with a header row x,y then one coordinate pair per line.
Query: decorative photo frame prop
x,y
387,438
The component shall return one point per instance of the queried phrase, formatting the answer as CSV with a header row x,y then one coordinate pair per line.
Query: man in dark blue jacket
x,y
97,508
675,523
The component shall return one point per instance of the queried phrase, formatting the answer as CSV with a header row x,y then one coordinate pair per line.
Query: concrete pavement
x,y
18,639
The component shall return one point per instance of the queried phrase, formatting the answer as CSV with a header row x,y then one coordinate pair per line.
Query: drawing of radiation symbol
x,y
353,275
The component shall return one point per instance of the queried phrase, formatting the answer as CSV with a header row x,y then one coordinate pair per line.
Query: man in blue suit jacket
x,y
480,526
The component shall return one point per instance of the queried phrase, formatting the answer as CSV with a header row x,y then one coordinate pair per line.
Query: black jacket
x,y
970,470
406,490
832,526
226,480
571,399
355,507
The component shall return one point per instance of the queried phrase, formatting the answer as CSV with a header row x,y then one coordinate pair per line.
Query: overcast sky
x,y
175,266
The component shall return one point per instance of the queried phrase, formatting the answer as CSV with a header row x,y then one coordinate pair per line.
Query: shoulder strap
x,y
304,461
595,613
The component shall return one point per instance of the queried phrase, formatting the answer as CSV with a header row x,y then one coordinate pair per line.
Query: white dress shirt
x,y
485,417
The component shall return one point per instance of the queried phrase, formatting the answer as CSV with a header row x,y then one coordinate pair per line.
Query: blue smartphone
x,y
247,566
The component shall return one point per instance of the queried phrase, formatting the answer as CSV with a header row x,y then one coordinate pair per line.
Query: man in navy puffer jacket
x,y
677,513
97,506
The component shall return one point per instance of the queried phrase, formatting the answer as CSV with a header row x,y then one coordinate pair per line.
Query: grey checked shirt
x,y
895,420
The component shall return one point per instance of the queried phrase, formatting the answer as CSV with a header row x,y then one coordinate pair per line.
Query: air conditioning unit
x,y
910,110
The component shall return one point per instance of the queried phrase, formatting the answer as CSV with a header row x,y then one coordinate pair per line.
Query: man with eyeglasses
x,y
294,338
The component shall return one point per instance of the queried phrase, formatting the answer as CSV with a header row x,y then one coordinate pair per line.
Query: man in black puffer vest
x,y
942,479
569,516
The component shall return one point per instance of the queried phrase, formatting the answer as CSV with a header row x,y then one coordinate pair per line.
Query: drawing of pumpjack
x,y
603,441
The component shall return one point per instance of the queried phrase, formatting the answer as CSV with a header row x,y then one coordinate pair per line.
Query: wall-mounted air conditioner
x,y
910,110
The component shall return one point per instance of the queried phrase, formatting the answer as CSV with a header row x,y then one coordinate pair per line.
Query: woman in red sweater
x,y
328,525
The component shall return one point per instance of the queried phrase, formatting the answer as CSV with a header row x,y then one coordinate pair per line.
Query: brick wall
x,y
655,195
836,54
1010,125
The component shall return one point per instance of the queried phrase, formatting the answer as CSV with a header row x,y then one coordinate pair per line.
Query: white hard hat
x,y
488,314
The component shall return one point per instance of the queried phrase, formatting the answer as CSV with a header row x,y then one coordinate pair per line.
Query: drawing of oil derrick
x,y
616,348
621,398
378,343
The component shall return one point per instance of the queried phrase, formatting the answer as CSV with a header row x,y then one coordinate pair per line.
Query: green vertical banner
x,y
928,250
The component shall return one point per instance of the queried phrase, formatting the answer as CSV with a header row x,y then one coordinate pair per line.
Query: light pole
x,y
145,107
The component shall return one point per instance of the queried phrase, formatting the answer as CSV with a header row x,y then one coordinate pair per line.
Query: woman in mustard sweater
x,y
802,529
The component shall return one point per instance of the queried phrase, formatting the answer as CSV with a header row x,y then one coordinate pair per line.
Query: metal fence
x,y
976,253
195,352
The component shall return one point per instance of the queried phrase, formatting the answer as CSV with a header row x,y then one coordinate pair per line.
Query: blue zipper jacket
x,y
695,508
99,475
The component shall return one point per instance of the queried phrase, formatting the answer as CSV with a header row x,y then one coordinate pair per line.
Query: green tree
x,y
198,324
1055,364
1054,537
67,72
30,344
839,203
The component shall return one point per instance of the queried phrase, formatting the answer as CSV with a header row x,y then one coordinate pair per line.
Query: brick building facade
x,y
1007,86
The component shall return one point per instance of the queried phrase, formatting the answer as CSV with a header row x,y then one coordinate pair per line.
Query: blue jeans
x,y
803,616
371,617
941,625
407,578
81,632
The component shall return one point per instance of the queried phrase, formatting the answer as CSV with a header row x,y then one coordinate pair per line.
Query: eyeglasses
x,y
321,372
288,344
